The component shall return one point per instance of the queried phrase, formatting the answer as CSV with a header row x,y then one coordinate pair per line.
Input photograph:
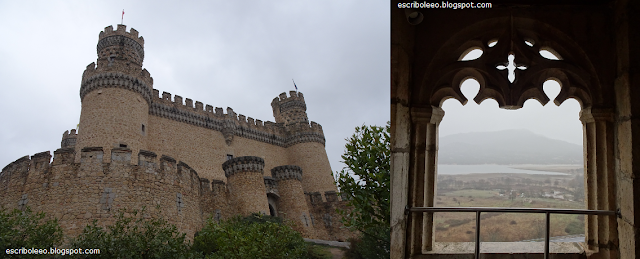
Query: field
x,y
475,191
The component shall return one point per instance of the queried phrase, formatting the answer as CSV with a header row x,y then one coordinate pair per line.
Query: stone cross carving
x,y
511,68
107,198
22,203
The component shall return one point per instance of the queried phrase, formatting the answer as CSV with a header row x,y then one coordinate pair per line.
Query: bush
x,y
20,229
575,227
134,236
256,236
318,252
369,247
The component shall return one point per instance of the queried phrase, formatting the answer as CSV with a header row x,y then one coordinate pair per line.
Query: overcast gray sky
x,y
238,54
556,122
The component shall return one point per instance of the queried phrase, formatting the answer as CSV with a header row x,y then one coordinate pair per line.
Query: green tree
x,y
366,180
134,235
256,236
26,229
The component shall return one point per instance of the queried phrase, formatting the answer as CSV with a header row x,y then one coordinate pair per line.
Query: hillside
x,y
506,147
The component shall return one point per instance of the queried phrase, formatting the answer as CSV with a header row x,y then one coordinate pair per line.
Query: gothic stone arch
x,y
592,41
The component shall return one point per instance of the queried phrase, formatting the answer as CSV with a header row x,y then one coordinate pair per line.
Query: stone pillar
x,y
422,176
600,180
246,184
292,199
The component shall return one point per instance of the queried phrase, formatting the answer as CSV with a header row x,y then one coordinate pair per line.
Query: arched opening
x,y
491,157
272,211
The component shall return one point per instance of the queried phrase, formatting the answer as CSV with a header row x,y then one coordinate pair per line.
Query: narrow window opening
x,y
229,157
471,54
123,145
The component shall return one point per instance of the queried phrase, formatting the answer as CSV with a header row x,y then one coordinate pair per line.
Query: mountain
x,y
506,147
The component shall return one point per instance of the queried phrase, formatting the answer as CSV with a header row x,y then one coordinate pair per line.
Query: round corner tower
x,y
305,142
246,184
292,200
115,95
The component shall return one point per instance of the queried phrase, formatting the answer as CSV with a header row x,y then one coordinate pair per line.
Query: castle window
x,y
229,157
123,145
143,128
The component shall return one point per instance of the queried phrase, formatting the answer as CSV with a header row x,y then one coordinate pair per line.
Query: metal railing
x,y
479,210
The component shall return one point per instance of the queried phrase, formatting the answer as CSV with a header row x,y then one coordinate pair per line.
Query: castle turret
x,y
292,202
290,110
246,184
305,142
115,95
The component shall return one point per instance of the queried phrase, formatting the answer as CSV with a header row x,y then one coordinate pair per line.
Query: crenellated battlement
x,y
232,124
290,110
69,139
243,164
287,172
122,31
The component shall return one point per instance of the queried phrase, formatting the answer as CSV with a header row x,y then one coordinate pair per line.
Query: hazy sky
x,y
223,53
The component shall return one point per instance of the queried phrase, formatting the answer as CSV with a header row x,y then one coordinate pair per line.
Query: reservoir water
x,y
488,169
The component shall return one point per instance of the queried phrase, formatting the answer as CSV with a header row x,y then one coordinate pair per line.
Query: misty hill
x,y
506,147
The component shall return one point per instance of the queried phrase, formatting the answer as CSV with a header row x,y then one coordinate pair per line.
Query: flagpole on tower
x,y
122,19
294,85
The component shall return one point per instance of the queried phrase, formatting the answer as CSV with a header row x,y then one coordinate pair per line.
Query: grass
x,y
501,227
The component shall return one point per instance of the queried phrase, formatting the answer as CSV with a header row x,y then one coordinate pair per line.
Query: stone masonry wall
x,y
313,160
111,117
291,204
78,193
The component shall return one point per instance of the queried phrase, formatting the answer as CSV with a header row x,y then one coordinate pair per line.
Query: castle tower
x,y
246,184
292,202
291,110
305,142
116,95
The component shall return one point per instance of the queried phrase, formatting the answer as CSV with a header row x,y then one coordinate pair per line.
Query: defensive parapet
x,y
246,184
69,139
78,193
290,110
232,124
122,40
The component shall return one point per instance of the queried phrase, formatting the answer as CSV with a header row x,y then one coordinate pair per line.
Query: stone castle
x,y
136,148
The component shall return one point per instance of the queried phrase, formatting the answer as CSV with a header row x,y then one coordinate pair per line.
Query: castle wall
x,y
78,193
114,116
204,149
326,220
312,158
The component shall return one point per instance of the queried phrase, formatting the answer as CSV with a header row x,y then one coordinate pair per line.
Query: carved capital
x,y
425,115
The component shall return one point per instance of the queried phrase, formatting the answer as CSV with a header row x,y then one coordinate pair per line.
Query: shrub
x,y
575,227
256,236
369,247
318,252
25,229
134,236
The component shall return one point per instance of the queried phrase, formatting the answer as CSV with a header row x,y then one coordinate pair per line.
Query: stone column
x,y
422,176
246,184
600,180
